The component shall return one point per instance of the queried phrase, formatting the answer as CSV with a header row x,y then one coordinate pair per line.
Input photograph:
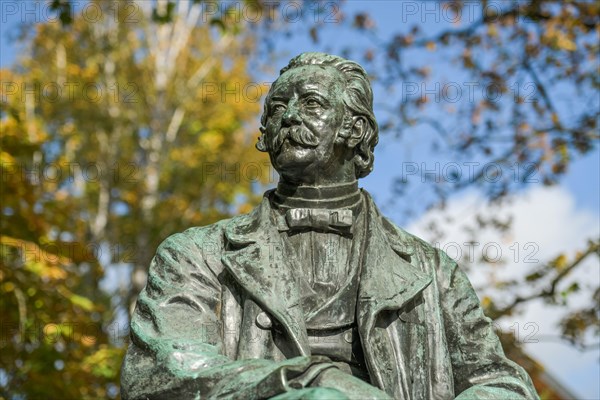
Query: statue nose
x,y
291,116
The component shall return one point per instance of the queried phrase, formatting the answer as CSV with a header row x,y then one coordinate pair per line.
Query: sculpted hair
x,y
357,97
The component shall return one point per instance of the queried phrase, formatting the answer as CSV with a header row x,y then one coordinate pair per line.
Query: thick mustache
x,y
297,133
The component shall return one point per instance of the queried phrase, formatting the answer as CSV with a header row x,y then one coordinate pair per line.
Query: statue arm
x,y
176,348
481,370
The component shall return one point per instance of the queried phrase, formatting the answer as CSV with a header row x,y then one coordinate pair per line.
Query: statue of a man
x,y
314,294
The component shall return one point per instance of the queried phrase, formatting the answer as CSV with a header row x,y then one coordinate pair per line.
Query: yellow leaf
x,y
565,42
6,158
486,301
560,262
245,208
8,287
211,140
80,301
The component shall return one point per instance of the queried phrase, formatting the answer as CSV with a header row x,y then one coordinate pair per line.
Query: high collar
x,y
344,195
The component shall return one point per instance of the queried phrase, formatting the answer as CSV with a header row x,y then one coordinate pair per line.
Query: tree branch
x,y
550,291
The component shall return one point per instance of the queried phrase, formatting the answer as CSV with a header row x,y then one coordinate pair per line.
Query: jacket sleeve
x,y
481,370
176,348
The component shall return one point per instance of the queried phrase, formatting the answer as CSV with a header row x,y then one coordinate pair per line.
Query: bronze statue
x,y
314,294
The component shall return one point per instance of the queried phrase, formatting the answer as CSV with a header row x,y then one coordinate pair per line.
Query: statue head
x,y
318,123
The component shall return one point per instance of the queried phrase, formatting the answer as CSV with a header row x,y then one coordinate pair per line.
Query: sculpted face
x,y
305,112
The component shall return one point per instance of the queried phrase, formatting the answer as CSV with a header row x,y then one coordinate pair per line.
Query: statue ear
x,y
357,131
261,145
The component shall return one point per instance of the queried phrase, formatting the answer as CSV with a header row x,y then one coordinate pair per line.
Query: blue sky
x,y
579,190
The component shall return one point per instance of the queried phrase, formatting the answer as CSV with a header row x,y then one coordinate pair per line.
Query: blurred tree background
x,y
121,129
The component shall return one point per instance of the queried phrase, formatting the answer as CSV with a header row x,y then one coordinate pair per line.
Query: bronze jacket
x,y
220,317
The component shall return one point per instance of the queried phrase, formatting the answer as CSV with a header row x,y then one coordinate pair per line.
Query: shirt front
x,y
327,269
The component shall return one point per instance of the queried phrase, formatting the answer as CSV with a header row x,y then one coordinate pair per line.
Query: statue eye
x,y
277,108
312,103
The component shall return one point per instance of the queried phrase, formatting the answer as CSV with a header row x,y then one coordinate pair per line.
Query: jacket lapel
x,y
388,282
255,259
388,279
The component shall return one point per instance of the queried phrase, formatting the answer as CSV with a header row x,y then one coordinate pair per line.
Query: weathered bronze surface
x,y
314,294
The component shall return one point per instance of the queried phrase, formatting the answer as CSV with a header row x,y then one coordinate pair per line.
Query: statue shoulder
x,y
414,246
196,241
403,242
210,240
197,250
412,242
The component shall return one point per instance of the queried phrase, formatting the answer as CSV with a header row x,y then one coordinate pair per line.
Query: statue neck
x,y
341,195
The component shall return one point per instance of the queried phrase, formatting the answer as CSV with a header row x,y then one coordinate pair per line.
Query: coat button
x,y
348,337
264,321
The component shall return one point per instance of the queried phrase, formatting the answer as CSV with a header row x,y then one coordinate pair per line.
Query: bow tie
x,y
321,219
